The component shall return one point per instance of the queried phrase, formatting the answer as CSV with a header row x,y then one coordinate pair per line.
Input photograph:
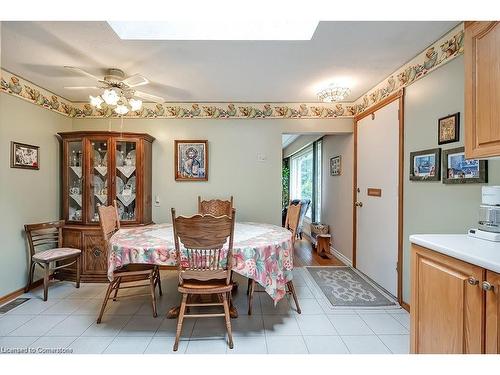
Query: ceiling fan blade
x,y
81,71
135,80
82,87
149,97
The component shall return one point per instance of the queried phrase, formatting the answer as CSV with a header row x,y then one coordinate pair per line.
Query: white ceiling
x,y
358,53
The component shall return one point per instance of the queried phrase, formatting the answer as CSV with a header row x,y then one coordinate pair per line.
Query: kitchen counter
x,y
476,251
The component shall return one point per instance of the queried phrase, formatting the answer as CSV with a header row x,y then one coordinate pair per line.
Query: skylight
x,y
300,29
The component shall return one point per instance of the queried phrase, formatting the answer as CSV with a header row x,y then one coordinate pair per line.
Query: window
x,y
305,178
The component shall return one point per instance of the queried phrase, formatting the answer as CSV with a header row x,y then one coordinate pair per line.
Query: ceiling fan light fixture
x,y
333,93
121,109
135,104
96,101
110,97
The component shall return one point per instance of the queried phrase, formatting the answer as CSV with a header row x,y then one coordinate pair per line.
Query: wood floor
x,y
304,255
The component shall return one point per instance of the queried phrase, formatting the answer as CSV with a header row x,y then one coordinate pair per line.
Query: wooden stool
x,y
323,245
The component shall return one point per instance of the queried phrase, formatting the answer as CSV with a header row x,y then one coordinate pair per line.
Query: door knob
x,y
358,204
473,281
487,286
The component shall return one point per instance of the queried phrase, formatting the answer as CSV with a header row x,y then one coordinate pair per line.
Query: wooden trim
x,y
355,195
399,95
405,306
99,133
401,112
19,292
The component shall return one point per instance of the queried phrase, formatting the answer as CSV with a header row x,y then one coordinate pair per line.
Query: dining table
x,y
262,252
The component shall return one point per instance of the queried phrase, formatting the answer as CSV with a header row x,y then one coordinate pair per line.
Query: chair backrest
x,y
293,218
109,220
215,207
203,237
305,203
44,236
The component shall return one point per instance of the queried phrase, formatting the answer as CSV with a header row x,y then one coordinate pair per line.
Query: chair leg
x,y
248,286
46,281
31,270
228,319
291,288
180,320
158,280
152,283
78,271
250,295
118,282
106,298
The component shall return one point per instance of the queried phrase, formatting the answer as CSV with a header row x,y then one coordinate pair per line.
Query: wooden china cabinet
x,y
97,168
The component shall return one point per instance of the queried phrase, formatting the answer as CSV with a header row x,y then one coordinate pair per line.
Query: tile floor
x,y
67,320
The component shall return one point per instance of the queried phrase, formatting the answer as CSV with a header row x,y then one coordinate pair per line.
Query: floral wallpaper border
x,y
440,52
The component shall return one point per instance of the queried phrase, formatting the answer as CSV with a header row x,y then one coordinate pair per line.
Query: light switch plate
x,y
261,157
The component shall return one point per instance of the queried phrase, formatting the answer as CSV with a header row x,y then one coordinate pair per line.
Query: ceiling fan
x,y
116,81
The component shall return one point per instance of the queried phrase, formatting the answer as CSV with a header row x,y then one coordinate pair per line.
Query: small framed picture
x,y
191,160
336,166
458,170
24,156
448,129
425,165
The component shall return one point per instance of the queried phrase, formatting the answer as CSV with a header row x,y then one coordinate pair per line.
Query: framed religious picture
x,y
191,160
336,166
24,156
448,129
425,165
458,170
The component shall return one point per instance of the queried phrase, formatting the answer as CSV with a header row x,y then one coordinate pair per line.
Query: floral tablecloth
x,y
262,252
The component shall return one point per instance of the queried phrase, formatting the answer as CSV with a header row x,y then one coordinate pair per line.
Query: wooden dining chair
x,y
291,223
204,266
110,224
293,219
215,207
45,242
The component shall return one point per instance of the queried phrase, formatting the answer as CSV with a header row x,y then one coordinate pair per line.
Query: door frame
x,y
399,95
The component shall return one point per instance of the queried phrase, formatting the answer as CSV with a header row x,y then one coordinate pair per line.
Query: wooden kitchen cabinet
x,y
447,309
482,89
492,332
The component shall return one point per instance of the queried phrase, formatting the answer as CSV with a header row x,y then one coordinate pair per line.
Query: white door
x,y
377,218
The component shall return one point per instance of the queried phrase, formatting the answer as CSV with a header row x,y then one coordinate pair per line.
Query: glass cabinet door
x,y
75,180
98,177
125,183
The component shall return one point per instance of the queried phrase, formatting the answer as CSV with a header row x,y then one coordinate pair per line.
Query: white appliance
x,y
489,215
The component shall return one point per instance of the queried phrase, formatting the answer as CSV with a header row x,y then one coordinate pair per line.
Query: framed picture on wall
x,y
449,128
425,165
336,166
458,170
191,160
24,156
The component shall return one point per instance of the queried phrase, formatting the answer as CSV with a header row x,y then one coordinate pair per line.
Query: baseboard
x,y
341,256
18,292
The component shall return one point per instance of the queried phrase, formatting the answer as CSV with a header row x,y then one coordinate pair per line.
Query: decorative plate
x,y
119,158
119,185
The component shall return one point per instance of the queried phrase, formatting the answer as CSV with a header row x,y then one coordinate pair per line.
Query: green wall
x,y
433,207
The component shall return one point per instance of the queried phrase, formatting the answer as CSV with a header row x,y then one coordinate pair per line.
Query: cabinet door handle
x,y
487,286
96,251
472,280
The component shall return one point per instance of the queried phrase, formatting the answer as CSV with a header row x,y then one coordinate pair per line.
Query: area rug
x,y
347,287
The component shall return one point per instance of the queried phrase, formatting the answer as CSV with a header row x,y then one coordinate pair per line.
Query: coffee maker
x,y
489,215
